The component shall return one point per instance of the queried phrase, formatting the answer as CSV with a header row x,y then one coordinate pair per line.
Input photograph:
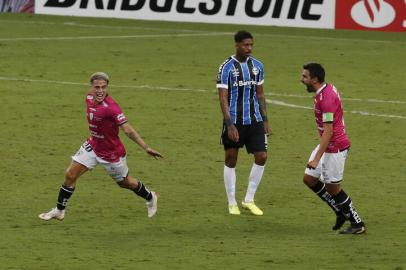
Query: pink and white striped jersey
x,y
328,108
104,120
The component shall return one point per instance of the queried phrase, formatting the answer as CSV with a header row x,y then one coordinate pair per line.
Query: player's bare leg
x,y
74,171
141,190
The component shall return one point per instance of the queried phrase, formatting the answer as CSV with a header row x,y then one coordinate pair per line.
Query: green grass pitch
x,y
163,76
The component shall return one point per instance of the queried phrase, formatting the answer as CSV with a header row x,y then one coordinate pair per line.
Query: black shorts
x,y
252,136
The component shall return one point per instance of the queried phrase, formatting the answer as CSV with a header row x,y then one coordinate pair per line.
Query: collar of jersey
x,y
233,56
321,89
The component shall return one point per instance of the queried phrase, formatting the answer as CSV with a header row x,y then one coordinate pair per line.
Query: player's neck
x,y
241,58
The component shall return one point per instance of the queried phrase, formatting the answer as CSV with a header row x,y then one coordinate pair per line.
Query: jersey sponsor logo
x,y
96,135
244,83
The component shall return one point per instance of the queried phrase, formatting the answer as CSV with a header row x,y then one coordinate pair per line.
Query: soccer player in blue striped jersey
x,y
240,86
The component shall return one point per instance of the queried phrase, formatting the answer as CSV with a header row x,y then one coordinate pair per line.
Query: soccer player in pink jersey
x,y
325,167
104,147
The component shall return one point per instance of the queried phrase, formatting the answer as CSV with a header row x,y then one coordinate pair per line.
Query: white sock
x,y
229,183
253,181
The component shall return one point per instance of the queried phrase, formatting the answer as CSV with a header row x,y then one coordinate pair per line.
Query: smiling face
x,y
99,89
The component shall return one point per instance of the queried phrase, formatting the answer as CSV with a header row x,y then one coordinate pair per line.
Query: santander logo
x,y
373,13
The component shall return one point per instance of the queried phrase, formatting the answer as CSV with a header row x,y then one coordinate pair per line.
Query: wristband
x,y
228,122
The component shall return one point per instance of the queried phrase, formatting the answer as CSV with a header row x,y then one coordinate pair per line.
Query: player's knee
x,y
308,180
231,162
260,159
123,183
70,178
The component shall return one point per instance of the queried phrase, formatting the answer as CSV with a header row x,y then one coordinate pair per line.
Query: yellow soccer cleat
x,y
253,208
234,210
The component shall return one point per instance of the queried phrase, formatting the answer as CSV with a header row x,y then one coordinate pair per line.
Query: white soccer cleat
x,y
152,205
54,213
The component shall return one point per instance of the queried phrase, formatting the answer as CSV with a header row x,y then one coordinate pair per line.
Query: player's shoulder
x,y
226,64
331,91
110,101
256,62
111,104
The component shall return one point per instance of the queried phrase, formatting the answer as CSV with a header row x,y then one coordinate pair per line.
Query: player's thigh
x,y
117,170
227,143
316,173
86,156
256,140
75,170
332,170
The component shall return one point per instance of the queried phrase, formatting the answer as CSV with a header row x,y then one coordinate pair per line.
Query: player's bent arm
x,y
324,140
133,135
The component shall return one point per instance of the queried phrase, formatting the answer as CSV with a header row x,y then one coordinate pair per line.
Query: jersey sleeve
x,y
222,76
89,100
118,116
261,74
328,108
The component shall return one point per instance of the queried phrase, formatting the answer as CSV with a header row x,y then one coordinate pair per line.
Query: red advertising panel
x,y
382,15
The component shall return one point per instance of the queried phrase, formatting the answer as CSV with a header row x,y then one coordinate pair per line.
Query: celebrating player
x,y
242,101
104,147
325,167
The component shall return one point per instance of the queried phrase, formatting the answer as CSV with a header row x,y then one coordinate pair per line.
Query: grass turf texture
x,y
43,123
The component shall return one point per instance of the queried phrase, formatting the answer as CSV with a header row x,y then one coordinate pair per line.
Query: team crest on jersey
x,y
91,116
255,71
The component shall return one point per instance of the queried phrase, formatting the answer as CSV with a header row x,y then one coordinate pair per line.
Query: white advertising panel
x,y
295,13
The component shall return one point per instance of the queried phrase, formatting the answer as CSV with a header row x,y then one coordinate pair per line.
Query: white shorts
x,y
87,157
331,166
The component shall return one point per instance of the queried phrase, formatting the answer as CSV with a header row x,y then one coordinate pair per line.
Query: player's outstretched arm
x,y
133,135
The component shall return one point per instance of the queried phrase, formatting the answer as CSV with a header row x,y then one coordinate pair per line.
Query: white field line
x,y
369,100
207,32
100,26
110,37
275,102
281,103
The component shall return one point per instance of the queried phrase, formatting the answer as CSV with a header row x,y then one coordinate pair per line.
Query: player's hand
x,y
153,153
233,133
312,164
267,128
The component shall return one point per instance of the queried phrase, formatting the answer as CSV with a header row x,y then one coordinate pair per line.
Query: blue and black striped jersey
x,y
241,80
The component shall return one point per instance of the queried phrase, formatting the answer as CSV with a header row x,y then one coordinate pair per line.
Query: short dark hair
x,y
241,35
316,71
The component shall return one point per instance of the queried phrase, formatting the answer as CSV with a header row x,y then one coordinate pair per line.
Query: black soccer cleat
x,y
340,220
355,229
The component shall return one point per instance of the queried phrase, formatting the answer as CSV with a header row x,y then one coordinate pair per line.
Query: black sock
x,y
344,202
142,191
320,190
63,197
